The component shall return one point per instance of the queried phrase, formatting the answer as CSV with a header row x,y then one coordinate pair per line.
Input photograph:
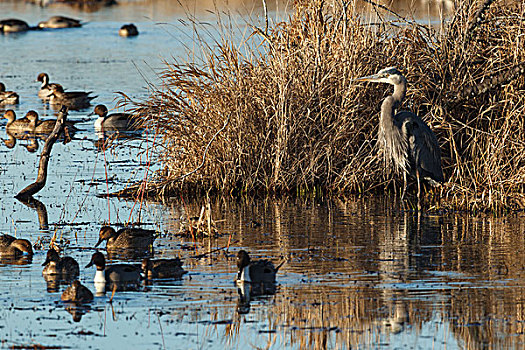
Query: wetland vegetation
x,y
277,111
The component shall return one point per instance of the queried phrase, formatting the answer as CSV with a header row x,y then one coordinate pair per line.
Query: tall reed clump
x,y
278,111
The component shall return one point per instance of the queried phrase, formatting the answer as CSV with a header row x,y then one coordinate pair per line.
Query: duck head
x,y
52,256
98,260
43,78
243,259
10,115
106,232
22,246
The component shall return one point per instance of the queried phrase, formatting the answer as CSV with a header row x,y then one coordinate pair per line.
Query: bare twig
x,y
41,178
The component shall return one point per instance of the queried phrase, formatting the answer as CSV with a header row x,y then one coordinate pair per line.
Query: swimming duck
x,y
12,246
45,126
162,268
14,125
125,238
7,97
128,30
119,273
259,271
46,87
70,99
114,120
77,293
55,265
13,25
57,22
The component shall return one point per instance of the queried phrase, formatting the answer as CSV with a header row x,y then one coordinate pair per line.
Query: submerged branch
x,y
41,178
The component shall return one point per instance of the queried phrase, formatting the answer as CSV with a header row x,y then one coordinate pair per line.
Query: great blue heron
x,y
409,146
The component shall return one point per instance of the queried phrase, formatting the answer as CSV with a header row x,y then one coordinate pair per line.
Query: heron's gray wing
x,y
424,147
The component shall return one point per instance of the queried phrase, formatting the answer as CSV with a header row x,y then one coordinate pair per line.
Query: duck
x,y
114,120
7,97
12,246
125,238
258,271
117,273
57,22
46,88
128,30
15,126
12,25
70,99
45,126
55,265
77,293
162,268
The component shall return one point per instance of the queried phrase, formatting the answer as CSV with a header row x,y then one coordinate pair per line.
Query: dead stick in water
x,y
44,157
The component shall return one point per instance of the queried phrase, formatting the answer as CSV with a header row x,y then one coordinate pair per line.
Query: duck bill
x,y
46,262
90,264
100,240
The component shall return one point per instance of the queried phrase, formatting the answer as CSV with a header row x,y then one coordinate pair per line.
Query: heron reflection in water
x,y
408,144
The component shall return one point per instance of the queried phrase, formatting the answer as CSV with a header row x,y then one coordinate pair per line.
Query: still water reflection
x,y
359,273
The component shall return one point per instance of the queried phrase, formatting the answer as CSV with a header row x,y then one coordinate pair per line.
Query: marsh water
x,y
358,272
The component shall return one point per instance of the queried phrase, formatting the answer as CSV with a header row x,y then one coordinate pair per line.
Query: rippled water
x,y
359,273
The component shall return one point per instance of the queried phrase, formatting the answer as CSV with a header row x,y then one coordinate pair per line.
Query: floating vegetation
x,y
279,112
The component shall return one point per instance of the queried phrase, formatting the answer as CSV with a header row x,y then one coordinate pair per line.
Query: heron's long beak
x,y
373,78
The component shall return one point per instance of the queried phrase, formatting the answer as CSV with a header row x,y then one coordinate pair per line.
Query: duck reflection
x,y
248,291
32,146
32,142
76,296
10,142
16,260
77,310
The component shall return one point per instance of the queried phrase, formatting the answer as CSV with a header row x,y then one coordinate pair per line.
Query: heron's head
x,y
388,75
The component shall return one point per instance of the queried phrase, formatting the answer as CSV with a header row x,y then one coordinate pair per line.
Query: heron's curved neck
x,y
393,101
400,91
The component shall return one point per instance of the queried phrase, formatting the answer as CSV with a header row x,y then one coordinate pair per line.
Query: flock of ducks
x,y
54,94
120,276
13,25
134,240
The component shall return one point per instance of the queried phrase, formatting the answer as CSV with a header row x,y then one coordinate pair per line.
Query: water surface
x,y
359,273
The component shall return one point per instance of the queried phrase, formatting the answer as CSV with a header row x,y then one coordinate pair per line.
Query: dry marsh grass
x,y
277,112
